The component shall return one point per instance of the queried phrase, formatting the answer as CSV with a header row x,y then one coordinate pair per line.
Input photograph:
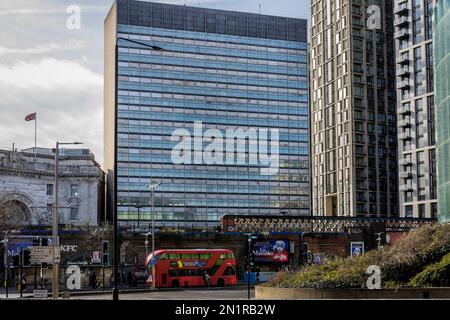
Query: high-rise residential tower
x,y
218,70
442,90
353,108
416,108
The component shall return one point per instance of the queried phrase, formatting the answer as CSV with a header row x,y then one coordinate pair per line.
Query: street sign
x,y
40,294
44,255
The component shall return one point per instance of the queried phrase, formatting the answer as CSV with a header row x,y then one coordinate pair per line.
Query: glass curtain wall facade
x,y
227,70
442,90
416,108
353,108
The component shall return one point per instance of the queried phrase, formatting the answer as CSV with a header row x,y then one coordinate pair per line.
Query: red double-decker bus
x,y
187,267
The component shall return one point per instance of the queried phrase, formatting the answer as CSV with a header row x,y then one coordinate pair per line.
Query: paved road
x,y
185,294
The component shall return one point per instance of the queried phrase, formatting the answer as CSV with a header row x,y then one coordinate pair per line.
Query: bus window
x,y
205,256
185,256
162,256
213,270
219,262
174,273
230,271
174,256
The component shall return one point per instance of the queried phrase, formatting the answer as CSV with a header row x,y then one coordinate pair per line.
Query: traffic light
x,y
251,263
26,257
44,242
252,260
304,254
105,253
16,261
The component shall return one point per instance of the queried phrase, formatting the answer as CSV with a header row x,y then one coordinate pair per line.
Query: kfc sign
x,y
69,248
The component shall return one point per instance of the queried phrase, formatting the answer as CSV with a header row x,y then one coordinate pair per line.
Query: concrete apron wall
x,y
266,293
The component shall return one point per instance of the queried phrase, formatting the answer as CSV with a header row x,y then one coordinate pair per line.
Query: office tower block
x,y
416,108
353,108
220,70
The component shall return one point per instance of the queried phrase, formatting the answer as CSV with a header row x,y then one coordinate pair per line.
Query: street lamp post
x,y
248,266
55,240
5,263
153,187
116,124
146,244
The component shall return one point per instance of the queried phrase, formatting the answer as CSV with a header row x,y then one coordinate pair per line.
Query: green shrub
x,y
398,263
435,275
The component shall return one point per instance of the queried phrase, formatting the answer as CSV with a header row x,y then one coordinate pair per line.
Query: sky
x,y
51,63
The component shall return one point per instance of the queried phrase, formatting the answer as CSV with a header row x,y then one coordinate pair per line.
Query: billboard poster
x,y
271,251
14,248
356,248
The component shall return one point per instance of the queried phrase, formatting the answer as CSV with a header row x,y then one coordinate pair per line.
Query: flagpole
x,y
35,136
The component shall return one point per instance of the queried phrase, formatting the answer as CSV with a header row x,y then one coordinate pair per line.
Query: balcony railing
x,y
406,187
405,162
405,84
405,109
402,21
406,175
404,71
404,123
402,34
403,59
402,9
405,136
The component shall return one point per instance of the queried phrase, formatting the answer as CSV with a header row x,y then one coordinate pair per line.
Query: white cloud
x,y
50,73
49,48
39,10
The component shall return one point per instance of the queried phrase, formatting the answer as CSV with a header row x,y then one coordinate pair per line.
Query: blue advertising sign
x,y
271,251
14,248
356,249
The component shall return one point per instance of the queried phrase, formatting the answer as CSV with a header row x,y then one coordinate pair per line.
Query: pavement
x,y
178,294
144,293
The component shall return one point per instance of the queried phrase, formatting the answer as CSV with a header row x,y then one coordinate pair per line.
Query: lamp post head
x,y
154,186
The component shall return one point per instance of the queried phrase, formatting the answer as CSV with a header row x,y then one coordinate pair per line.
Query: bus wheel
x,y
175,284
220,282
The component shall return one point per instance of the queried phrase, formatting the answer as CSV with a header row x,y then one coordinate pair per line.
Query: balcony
x,y
403,60
405,109
402,34
404,123
404,71
401,9
404,84
405,162
406,187
402,21
405,136
406,175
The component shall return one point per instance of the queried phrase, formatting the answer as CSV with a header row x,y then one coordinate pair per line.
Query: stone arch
x,y
20,203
